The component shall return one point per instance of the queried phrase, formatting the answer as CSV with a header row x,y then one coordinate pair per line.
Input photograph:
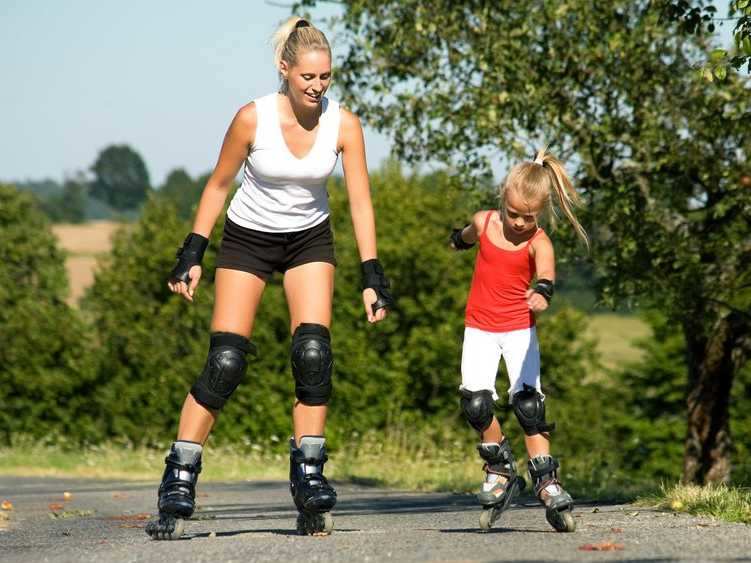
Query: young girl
x,y
500,321
278,220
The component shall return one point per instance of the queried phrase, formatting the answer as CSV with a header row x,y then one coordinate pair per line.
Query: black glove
x,y
189,255
546,288
373,278
457,241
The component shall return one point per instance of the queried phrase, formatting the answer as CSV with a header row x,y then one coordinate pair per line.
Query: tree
x,y
121,178
659,153
69,206
181,189
697,17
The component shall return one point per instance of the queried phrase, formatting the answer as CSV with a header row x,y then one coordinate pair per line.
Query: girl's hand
x,y
184,289
369,297
535,301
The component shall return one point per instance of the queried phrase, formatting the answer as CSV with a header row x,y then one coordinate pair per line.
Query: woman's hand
x,y
369,298
184,289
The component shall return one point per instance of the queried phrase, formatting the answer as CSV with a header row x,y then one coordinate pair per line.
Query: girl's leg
x,y
310,290
522,356
238,295
480,356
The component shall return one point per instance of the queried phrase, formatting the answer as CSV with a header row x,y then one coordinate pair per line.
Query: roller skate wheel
x,y
562,521
487,518
166,528
315,523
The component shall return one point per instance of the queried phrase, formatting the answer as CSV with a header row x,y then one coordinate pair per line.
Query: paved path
x,y
255,521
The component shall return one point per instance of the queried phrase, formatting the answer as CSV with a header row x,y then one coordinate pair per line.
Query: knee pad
x,y
224,369
478,407
529,408
312,362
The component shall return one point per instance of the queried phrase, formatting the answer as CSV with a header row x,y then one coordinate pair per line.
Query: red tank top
x,y
497,298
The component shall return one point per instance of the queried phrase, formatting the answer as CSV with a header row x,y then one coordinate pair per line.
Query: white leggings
x,y
482,351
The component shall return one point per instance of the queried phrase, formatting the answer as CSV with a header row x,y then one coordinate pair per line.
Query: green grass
x,y
732,504
616,335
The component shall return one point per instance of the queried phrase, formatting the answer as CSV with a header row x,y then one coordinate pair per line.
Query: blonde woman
x,y
500,322
278,220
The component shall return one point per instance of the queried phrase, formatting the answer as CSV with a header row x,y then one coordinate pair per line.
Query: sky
x,y
164,77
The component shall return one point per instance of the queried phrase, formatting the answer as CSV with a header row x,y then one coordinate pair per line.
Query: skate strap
x,y
193,468
503,472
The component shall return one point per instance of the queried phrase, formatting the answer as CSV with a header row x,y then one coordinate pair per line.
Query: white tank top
x,y
280,192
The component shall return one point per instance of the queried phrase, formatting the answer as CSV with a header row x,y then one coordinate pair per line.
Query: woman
x,y
278,220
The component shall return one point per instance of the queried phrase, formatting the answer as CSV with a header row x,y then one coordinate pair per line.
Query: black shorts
x,y
261,253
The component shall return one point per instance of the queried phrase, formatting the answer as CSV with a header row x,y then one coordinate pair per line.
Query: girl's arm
x,y
237,142
470,233
352,147
544,256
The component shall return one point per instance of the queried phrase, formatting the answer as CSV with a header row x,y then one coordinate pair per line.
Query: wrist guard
x,y
374,278
189,255
545,288
457,241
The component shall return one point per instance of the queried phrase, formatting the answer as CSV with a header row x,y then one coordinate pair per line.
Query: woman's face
x,y
309,78
520,215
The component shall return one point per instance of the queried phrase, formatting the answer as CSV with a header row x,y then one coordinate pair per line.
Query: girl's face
x,y
519,215
309,78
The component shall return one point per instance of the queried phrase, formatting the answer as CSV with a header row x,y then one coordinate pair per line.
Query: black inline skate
x,y
501,484
313,496
177,492
558,504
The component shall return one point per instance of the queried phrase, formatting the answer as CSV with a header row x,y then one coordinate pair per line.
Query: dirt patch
x,y
85,244
88,238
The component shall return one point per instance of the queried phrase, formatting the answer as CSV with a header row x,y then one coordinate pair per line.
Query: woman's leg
x,y
310,290
238,295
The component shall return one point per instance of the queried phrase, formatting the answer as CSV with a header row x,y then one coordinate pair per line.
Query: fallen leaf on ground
x,y
616,530
70,514
55,506
604,546
119,495
139,516
6,505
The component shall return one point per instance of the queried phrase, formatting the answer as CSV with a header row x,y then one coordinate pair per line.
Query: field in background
x,y
83,245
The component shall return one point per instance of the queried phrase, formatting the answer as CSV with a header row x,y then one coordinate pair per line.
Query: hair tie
x,y
302,23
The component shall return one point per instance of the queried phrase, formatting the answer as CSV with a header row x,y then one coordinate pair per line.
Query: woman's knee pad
x,y
224,369
312,363
529,408
478,408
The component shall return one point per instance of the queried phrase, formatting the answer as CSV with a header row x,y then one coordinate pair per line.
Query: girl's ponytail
x,y
568,198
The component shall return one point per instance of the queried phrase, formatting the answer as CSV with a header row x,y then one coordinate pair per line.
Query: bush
x,y
46,372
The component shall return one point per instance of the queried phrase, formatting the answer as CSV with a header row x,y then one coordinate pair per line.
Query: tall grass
x,y
732,504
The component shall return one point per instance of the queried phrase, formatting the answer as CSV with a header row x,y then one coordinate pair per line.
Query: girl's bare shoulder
x,y
481,217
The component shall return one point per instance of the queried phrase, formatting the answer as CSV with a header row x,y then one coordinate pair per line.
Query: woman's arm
x,y
237,142
352,147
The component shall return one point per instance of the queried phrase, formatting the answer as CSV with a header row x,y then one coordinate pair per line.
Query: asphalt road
x,y
255,521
